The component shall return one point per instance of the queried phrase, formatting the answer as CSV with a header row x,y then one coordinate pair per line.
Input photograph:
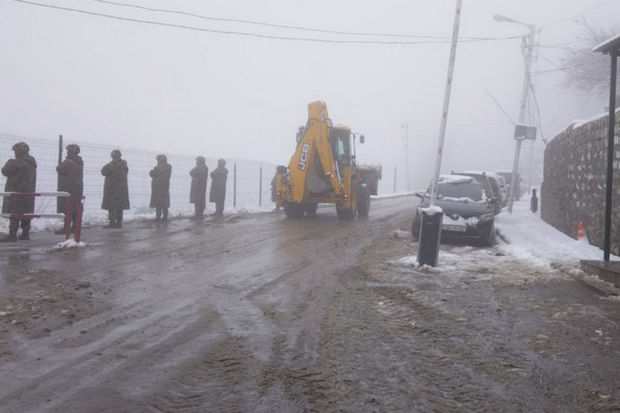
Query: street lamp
x,y
504,19
529,44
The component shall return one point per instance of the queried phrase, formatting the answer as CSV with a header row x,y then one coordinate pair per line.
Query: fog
x,y
97,79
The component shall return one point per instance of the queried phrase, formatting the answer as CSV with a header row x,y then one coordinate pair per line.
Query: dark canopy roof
x,y
609,46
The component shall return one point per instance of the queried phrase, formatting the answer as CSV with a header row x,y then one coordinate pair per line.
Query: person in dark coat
x,y
21,176
217,193
534,202
71,179
160,188
198,191
115,189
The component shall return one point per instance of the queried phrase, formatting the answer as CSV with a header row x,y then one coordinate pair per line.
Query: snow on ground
x,y
581,122
533,240
70,243
393,194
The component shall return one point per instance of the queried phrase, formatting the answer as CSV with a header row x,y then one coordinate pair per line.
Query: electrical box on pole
x,y
521,130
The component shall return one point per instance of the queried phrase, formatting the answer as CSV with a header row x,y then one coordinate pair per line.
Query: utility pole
x,y
525,93
431,218
446,101
395,178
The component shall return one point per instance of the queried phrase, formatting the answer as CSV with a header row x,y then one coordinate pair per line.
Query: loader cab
x,y
341,145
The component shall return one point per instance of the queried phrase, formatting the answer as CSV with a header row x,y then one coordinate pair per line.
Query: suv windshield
x,y
470,190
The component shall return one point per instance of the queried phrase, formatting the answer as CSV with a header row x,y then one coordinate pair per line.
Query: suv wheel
x,y
488,239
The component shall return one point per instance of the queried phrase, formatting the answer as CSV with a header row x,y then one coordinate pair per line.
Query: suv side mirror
x,y
362,138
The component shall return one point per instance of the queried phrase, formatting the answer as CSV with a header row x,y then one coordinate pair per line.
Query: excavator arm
x,y
313,168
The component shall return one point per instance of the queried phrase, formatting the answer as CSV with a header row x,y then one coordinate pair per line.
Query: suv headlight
x,y
486,217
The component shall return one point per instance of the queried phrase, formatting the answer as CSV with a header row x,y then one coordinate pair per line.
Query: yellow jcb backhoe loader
x,y
323,169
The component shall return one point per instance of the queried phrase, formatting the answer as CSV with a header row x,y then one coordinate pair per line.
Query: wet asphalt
x,y
262,313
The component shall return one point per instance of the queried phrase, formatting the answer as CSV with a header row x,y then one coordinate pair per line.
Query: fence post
x,y
394,178
59,200
59,149
260,186
234,185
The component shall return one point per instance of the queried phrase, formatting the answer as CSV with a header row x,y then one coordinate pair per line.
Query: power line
x,y
501,108
256,35
280,26
561,68
578,14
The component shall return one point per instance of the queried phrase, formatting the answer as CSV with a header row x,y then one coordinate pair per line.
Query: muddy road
x,y
259,313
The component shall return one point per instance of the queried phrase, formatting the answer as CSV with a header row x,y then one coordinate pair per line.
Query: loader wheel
x,y
345,213
311,209
363,201
294,210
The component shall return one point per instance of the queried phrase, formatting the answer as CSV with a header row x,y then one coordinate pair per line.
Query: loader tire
x,y
311,208
294,210
345,213
363,200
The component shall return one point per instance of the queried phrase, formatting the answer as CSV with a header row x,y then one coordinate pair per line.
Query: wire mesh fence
x,y
248,186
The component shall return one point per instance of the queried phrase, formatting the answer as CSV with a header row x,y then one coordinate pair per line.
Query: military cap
x,y
21,146
73,147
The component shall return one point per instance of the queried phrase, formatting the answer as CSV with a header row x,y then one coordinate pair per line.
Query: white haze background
x,y
106,81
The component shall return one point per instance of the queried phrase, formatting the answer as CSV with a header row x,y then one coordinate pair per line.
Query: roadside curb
x,y
597,289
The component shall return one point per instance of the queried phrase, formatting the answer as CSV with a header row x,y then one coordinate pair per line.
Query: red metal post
x,y
78,220
67,217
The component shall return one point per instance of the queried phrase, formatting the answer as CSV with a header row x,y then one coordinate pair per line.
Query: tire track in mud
x,y
60,373
372,357
110,323
258,384
77,367
221,379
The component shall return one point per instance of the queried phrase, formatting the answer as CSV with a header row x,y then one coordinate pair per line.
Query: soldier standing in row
x,y
71,180
218,187
160,188
21,176
198,191
115,189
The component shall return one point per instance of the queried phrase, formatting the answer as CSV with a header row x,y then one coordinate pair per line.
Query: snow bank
x,y
533,240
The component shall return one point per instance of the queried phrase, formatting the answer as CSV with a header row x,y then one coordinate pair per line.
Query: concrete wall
x,y
573,187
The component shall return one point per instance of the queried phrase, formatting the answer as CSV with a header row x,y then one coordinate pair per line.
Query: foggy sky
x,y
100,80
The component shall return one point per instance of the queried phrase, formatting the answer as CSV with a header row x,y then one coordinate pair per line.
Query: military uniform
x,y
160,188
115,189
198,190
217,193
21,176
71,179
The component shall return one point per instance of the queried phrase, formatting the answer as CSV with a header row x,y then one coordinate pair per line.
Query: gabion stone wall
x,y
573,188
